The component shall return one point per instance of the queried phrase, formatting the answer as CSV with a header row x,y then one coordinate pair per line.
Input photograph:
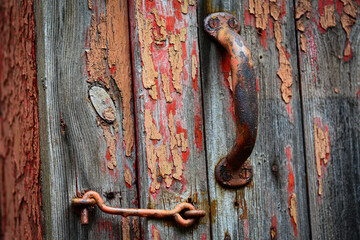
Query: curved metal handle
x,y
233,170
184,214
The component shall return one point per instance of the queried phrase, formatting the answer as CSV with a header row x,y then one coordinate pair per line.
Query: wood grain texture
x,y
330,93
169,128
75,145
274,205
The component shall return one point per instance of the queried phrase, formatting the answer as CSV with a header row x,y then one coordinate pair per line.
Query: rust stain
x,y
125,228
166,87
241,199
20,182
213,210
110,139
328,19
322,150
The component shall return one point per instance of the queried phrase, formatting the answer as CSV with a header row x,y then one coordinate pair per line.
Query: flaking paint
x,y
19,125
322,150
291,190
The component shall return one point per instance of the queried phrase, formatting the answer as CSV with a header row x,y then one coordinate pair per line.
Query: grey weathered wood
x,y
329,92
74,156
188,104
247,213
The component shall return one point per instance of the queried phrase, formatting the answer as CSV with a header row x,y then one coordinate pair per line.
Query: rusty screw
x,y
233,23
214,22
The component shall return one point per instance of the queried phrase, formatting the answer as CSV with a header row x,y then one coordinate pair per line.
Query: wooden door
x,y
134,102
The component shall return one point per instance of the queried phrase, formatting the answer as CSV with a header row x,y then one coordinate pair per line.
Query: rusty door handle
x,y
184,214
233,171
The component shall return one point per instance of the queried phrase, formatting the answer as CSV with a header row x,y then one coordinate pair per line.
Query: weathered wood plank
x,y
171,157
330,73
274,205
80,45
20,183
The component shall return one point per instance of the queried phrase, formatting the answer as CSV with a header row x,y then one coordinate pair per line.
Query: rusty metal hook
x,y
233,171
178,213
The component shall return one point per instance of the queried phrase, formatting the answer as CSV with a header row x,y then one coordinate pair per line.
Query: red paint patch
x,y
271,28
289,110
273,229
203,236
291,185
339,6
249,19
263,39
257,85
283,9
198,132
113,69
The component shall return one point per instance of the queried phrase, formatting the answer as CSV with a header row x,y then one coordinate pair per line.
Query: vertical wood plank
x,y
274,205
329,47
20,183
81,45
171,157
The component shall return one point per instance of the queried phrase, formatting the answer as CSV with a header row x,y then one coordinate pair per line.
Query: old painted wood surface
x,y
82,44
169,122
329,49
20,186
179,115
274,205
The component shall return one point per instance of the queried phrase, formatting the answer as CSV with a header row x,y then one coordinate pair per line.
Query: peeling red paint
x,y
291,190
203,236
155,235
198,132
19,125
263,39
290,112
273,229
